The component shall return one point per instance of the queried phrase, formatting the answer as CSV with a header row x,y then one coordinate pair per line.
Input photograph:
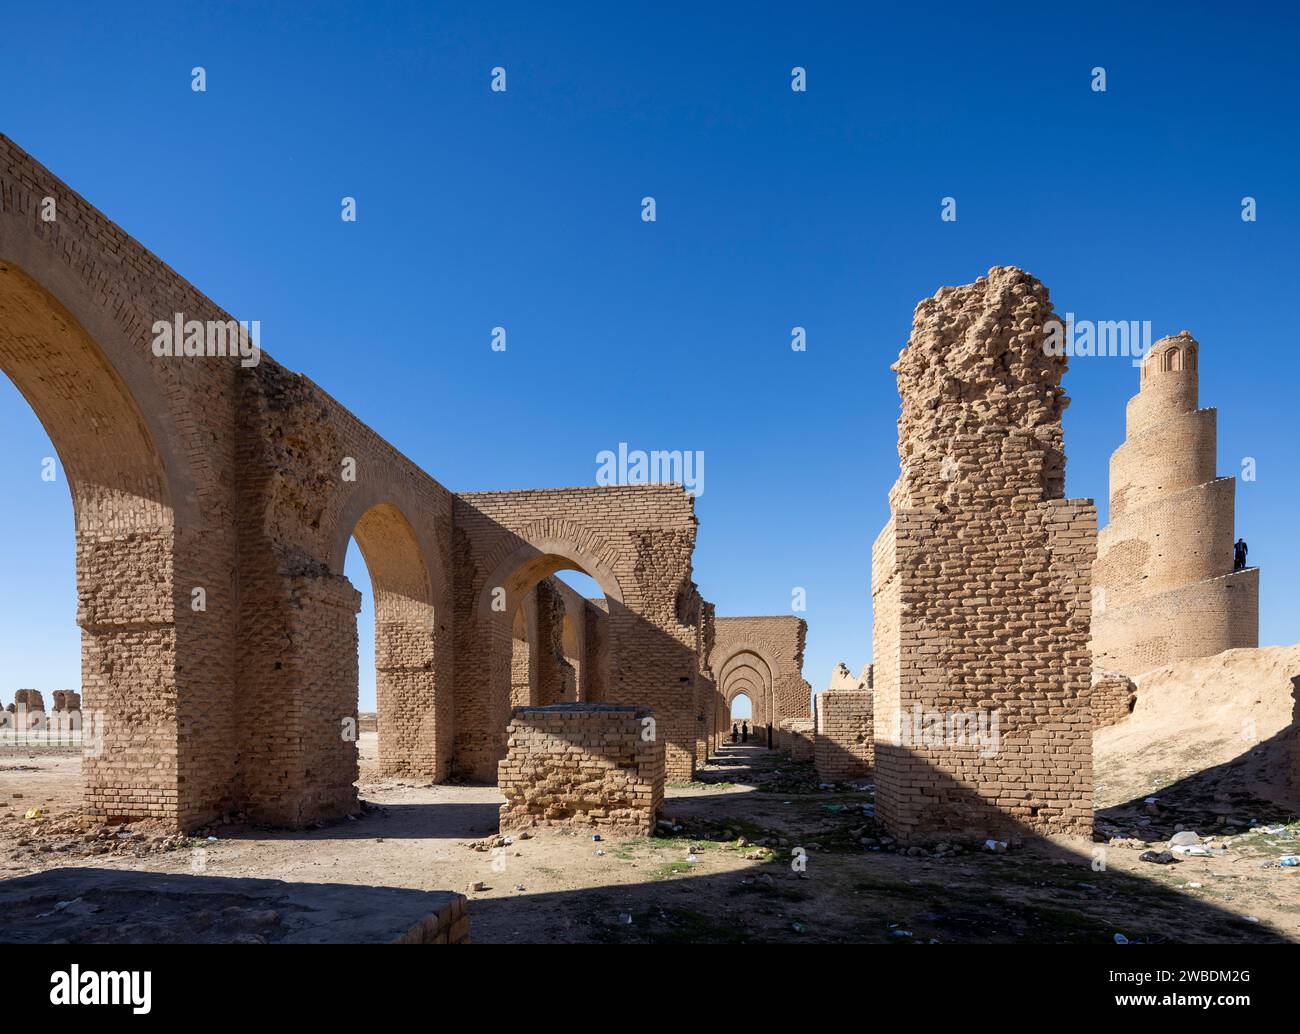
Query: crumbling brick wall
x,y
586,766
981,580
1164,587
844,745
1113,697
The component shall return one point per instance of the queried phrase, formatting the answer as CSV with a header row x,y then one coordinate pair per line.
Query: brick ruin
x,y
981,580
1113,697
214,501
584,766
28,699
1164,585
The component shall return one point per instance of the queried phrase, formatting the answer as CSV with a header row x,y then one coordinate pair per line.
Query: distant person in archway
x,y
734,734
744,732
769,735
1239,551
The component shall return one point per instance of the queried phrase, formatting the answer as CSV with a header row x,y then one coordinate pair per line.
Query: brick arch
x,y
93,382
369,495
114,470
761,694
745,688
750,661
539,551
414,707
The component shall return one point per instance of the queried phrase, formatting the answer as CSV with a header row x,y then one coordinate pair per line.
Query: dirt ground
x,y
729,872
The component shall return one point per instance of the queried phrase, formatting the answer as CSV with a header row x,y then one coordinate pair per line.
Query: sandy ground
x,y
727,875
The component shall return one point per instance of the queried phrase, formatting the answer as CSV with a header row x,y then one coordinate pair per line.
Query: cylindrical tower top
x,y
1168,382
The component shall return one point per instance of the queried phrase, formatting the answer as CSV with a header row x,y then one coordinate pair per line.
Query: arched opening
x,y
740,712
126,600
547,620
400,718
39,640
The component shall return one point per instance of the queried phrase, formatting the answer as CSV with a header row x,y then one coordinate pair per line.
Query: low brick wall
x,y
1113,696
845,745
582,766
450,925
797,738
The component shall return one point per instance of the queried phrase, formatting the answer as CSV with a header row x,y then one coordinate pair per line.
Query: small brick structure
x,y
844,746
797,738
1113,697
582,765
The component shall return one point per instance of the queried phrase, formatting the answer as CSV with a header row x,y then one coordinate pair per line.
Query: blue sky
x,y
774,209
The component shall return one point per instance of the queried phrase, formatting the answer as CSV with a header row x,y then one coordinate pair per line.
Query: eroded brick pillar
x,y
981,581
297,758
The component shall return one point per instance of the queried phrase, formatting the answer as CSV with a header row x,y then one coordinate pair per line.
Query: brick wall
x,y
585,766
844,745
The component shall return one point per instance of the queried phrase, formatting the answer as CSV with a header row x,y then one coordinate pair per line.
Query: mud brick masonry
x,y
981,579
587,766
1164,588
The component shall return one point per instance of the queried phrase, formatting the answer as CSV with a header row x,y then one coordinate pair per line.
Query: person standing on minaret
x,y
1239,551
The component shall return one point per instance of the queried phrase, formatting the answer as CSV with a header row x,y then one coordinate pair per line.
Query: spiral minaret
x,y
1163,584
